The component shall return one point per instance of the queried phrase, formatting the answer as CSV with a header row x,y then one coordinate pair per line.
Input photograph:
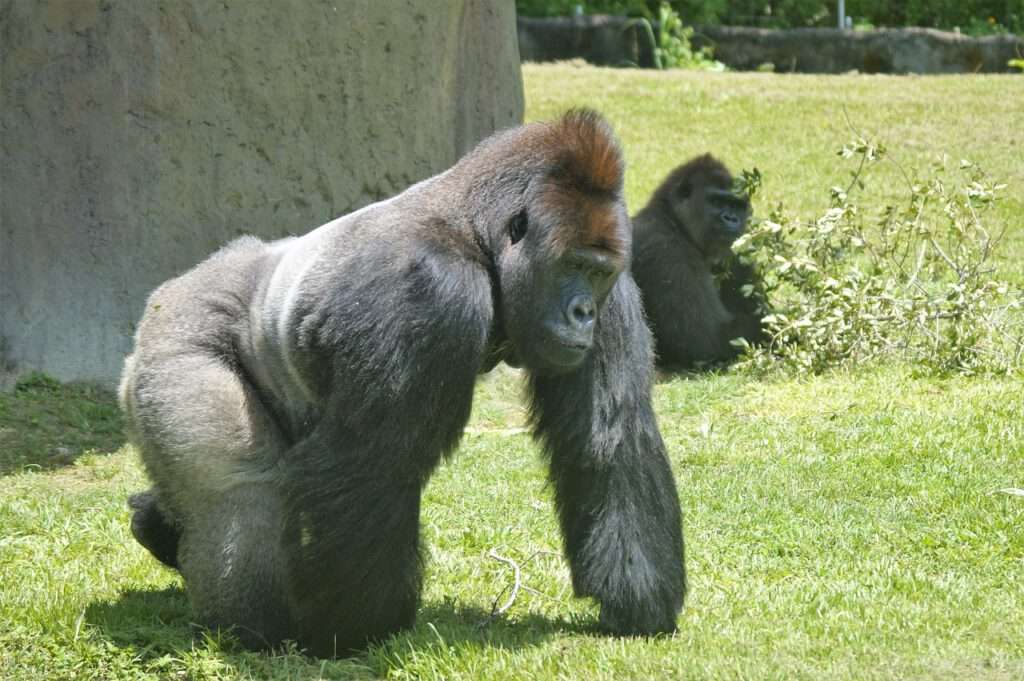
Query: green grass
x,y
790,127
44,424
847,526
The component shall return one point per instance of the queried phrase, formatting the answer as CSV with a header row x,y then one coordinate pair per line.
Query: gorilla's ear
x,y
517,226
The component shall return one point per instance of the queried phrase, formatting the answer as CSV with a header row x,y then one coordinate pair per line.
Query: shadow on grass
x,y
151,622
448,626
46,425
156,625
710,370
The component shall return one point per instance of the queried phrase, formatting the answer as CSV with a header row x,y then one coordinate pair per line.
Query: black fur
x,y
151,529
291,399
614,490
691,285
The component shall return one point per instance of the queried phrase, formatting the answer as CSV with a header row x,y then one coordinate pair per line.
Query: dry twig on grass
x,y
517,584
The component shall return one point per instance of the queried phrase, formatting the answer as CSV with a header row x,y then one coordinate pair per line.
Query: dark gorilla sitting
x,y
290,399
679,238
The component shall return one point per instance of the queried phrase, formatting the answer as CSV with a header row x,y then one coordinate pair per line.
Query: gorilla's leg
x,y
230,558
211,449
352,538
151,529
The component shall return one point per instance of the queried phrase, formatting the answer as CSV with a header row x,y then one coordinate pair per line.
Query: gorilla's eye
x,y
517,226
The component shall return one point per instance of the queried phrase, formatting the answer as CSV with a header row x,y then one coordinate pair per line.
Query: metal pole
x,y
841,11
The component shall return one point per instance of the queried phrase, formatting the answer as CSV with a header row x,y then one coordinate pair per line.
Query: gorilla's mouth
x,y
574,345
565,352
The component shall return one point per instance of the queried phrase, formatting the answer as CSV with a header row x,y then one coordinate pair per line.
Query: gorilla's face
x,y
552,287
712,213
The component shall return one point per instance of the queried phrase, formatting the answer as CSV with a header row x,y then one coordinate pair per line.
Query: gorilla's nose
x,y
733,223
580,312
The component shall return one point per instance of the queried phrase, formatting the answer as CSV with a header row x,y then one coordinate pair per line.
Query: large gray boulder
x,y
138,136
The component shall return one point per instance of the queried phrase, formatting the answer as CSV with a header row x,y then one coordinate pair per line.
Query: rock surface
x,y
598,39
137,137
827,50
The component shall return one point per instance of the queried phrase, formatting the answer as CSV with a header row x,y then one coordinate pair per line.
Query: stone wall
x,y
599,39
826,50
618,41
137,136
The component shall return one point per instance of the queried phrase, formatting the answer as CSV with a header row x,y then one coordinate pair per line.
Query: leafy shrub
x,y
671,43
914,281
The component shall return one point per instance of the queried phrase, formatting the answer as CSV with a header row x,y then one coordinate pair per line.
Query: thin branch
x,y
531,590
517,584
906,176
949,261
517,576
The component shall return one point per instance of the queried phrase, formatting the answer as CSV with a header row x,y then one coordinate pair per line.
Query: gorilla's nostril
x,y
581,310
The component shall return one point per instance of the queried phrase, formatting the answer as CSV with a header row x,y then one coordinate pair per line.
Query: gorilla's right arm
x,y
616,498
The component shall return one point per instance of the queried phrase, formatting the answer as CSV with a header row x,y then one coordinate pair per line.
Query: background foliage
x,y
971,16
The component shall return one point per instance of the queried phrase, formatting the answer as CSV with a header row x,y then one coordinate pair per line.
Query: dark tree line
x,y
970,16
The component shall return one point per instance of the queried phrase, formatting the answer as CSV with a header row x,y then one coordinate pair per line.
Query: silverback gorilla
x,y
290,399
684,231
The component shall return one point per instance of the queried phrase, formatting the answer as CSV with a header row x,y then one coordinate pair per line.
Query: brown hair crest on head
x,y
588,157
584,173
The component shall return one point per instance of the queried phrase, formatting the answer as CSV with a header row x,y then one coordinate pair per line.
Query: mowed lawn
x,y
853,525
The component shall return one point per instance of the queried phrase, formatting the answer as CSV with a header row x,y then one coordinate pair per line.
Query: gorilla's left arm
x,y
399,341
614,490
